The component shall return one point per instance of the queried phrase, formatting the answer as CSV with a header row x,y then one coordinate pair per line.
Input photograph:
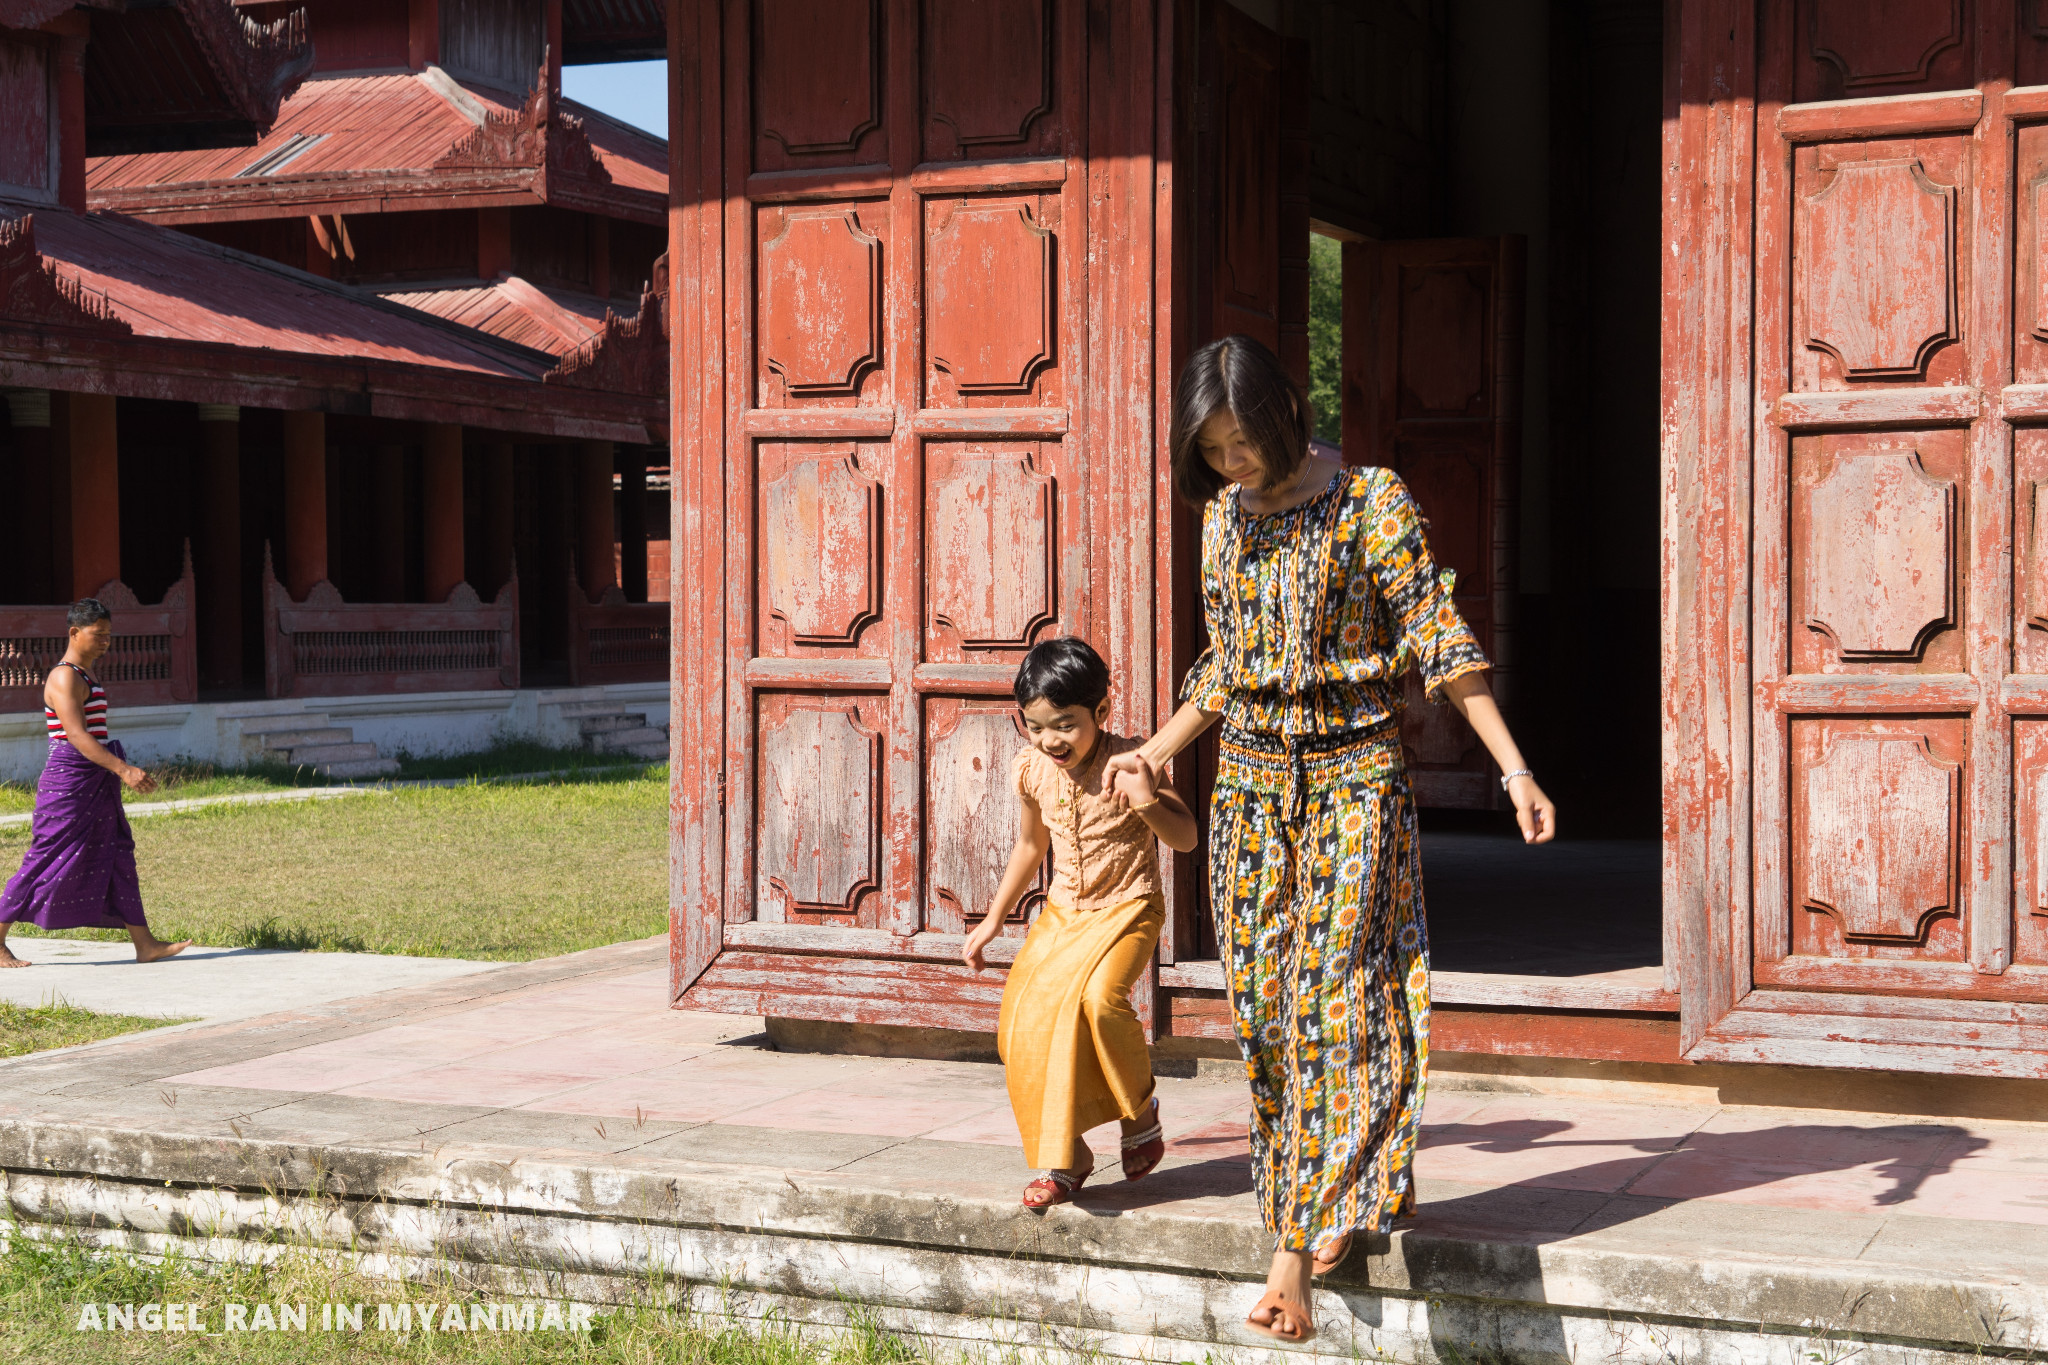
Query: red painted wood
x,y
154,660
69,63
25,110
1433,390
305,501
441,498
594,518
494,550
95,501
613,640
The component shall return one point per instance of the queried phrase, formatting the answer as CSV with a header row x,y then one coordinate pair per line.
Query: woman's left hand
x,y
1534,812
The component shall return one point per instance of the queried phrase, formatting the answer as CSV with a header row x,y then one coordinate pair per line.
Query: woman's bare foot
x,y
1286,1310
156,950
8,959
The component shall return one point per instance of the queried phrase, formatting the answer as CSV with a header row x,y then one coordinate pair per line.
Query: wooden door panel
x,y
1432,365
817,83
1245,79
886,468
1854,49
1876,586
1881,285
2030,827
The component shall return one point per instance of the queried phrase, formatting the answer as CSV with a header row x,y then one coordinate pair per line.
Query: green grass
x,y
37,1028
514,757
43,1285
500,872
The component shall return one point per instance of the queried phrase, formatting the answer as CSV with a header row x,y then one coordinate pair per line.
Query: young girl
x,y
1073,1051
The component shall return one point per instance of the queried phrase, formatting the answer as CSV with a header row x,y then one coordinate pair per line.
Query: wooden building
x,y
936,263
324,469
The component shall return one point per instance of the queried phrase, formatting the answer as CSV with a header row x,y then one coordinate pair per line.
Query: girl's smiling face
x,y
1065,734
1225,448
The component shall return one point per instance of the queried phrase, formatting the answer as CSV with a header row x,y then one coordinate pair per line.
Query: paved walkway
x,y
208,983
1700,1210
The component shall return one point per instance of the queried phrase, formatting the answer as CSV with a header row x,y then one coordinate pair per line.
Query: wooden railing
x,y
325,647
615,641
154,661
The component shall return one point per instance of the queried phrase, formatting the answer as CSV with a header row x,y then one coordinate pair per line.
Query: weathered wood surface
x,y
154,661
616,641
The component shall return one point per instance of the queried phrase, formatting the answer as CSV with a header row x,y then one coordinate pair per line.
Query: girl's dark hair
x,y
1239,374
85,611
1063,671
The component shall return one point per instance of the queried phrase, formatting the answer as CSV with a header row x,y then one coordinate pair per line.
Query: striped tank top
x,y
95,710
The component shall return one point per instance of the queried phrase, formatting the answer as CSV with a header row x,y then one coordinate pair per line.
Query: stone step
x,y
625,741
254,726
294,739
332,753
612,720
361,767
577,710
650,753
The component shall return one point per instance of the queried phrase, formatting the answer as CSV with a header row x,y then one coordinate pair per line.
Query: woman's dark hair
x,y
1239,374
1063,671
85,612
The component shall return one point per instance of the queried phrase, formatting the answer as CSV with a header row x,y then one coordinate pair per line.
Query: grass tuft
x,y
38,1028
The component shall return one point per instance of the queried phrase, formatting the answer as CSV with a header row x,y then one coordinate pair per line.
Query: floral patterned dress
x,y
1314,614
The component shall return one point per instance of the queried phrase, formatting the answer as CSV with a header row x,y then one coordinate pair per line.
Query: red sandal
x,y
1056,1187
1144,1151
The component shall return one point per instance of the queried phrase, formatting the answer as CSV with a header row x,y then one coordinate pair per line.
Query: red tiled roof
x,y
169,285
551,320
399,135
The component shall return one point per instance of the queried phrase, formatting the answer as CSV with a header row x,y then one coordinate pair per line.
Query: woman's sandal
x,y
1144,1151
1322,1264
1054,1187
1291,1322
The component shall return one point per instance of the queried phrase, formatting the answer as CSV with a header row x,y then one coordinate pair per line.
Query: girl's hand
x,y
138,779
970,951
1534,812
1138,784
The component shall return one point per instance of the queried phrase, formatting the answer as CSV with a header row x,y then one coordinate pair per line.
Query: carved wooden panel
x,y
817,79
819,799
25,113
821,545
1248,95
1445,330
988,69
1876,246
989,295
2030,841
990,542
820,282
1880,849
971,811
1851,48
1879,555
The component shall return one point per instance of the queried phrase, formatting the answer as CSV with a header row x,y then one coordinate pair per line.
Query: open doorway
x,y
1439,135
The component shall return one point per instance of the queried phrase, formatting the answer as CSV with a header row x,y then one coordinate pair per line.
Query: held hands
x,y
1133,779
1534,812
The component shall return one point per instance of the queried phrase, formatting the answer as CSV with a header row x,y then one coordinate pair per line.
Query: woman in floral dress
x,y
1319,593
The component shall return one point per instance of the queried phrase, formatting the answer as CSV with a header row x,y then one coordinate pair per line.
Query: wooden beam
x,y
441,489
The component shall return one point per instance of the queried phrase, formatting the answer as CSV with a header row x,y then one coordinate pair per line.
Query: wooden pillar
x,y
494,554
218,569
441,527
633,522
305,501
71,111
557,513
93,445
28,411
493,243
553,20
386,579
594,562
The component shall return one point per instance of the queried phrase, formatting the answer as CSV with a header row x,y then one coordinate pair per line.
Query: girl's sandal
x,y
1323,1263
1144,1151
1054,1187
1290,1322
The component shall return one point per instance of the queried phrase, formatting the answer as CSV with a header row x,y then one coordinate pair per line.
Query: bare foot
x,y
8,959
156,950
1286,1311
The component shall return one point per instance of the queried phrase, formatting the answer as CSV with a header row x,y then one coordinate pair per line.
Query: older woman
x,y
79,872
1319,593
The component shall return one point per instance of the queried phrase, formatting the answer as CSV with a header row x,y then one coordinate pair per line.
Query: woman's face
x,y
1225,448
93,641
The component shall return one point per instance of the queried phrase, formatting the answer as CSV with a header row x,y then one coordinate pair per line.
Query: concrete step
x,y
626,741
331,753
577,710
254,726
610,721
293,739
360,767
651,753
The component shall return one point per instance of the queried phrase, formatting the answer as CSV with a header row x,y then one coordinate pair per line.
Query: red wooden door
x,y
1858,666
915,434
1432,389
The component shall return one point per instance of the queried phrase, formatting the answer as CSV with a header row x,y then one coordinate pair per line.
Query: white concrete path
x,y
208,983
